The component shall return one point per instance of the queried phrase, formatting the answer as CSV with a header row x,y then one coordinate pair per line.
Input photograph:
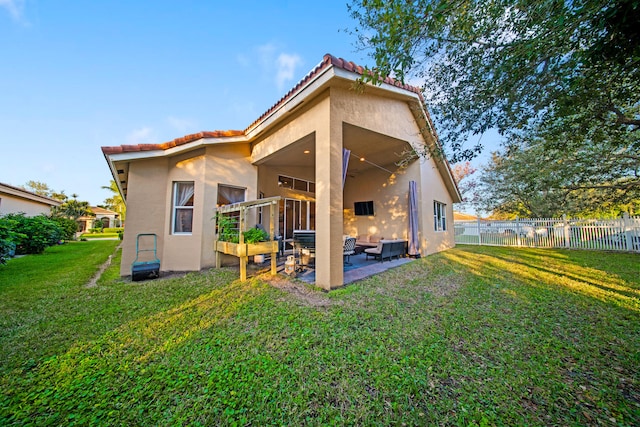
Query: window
x,y
299,184
296,184
228,195
439,216
183,207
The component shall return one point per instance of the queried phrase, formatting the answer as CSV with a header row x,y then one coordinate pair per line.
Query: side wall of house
x,y
182,252
12,204
389,193
146,207
434,189
150,203
227,164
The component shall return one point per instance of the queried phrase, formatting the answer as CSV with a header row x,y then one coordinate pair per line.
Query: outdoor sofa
x,y
388,249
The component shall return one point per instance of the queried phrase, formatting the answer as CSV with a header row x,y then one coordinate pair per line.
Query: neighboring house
x,y
460,216
295,150
16,200
109,219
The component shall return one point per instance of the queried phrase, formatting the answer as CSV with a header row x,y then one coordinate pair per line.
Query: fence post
x,y
626,228
479,233
567,231
518,241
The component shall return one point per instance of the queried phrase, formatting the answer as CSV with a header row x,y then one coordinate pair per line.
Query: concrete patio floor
x,y
360,268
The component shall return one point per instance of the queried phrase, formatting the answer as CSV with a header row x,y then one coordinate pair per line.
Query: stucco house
x,y
16,200
295,150
108,217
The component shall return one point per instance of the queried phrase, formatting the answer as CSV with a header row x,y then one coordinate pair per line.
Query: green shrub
x,y
8,239
34,234
113,229
69,227
98,225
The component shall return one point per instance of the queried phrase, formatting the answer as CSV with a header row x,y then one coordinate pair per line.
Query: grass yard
x,y
474,336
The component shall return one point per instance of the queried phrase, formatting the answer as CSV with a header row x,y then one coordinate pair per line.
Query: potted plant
x,y
253,236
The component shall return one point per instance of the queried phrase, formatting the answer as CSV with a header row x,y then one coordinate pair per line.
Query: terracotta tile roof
x,y
173,143
327,61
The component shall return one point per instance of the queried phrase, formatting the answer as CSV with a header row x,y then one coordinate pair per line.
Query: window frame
x,y
439,216
175,208
231,187
296,184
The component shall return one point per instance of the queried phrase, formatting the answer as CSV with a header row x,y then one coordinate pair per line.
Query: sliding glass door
x,y
296,215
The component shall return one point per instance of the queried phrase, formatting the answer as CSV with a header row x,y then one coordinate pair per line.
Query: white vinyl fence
x,y
622,234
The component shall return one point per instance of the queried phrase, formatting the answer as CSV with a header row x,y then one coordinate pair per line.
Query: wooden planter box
x,y
247,249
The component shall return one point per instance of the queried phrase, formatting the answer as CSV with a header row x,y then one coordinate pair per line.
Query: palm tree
x,y
115,202
73,209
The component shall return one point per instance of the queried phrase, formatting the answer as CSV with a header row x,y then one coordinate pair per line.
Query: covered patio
x,y
372,175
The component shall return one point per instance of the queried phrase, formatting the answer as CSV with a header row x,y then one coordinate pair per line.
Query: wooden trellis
x,y
244,250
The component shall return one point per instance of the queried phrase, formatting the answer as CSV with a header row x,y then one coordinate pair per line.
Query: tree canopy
x,y
559,80
542,182
568,69
43,189
72,208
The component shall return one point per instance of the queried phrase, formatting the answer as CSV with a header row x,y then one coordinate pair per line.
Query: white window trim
x,y
439,217
175,207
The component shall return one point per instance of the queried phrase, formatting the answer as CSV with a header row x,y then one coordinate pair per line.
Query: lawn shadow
x,y
551,270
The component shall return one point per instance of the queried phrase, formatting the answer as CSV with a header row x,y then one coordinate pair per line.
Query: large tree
x,y
568,69
43,189
540,181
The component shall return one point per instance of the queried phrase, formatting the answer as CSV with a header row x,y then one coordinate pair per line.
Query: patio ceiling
x,y
378,151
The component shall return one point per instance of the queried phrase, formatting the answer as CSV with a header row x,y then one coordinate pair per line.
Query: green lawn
x,y
472,336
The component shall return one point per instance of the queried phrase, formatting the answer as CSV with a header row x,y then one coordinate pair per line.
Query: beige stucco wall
x,y
433,189
149,202
183,252
228,164
11,204
146,207
389,193
318,118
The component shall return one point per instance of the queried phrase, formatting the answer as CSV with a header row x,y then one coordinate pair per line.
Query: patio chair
x,y
349,249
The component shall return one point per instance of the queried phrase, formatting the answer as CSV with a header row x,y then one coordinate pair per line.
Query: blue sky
x,y
76,76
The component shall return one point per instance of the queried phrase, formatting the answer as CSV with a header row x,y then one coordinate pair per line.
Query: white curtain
x,y
228,195
183,205
184,192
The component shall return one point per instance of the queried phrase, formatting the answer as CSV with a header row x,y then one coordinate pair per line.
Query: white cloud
x,y
275,65
144,135
287,65
181,125
14,7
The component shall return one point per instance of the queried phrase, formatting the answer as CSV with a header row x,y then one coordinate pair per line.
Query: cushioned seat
x,y
388,249
349,249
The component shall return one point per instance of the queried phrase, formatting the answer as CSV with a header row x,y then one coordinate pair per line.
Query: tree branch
x,y
622,119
